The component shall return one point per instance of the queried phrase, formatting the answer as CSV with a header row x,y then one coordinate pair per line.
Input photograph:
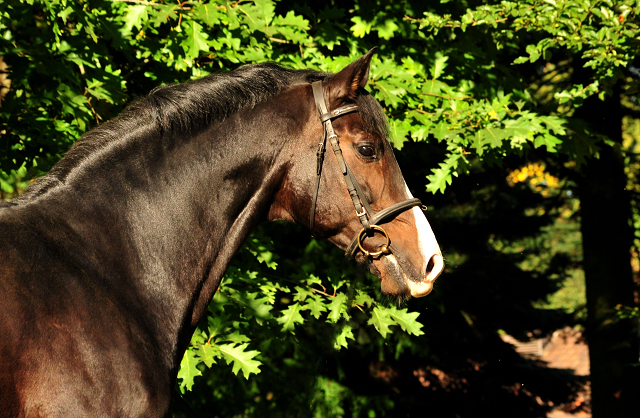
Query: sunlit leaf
x,y
240,358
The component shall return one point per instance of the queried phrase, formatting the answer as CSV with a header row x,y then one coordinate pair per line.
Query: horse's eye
x,y
366,151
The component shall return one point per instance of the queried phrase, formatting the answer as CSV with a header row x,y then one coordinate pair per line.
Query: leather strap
x,y
338,112
320,158
357,197
389,212
363,210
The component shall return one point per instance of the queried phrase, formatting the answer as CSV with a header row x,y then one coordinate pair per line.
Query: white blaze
x,y
430,250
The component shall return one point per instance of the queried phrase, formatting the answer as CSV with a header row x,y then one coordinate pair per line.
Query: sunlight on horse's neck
x,y
182,243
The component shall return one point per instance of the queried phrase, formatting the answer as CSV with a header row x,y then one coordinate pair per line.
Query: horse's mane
x,y
190,107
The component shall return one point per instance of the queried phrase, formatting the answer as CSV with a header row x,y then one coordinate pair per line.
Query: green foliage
x,y
13,182
629,313
626,312
383,319
429,94
259,299
602,35
74,65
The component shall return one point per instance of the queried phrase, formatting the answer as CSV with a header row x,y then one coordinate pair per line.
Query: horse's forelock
x,y
373,117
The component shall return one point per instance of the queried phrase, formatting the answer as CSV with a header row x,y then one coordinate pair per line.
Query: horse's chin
x,y
394,281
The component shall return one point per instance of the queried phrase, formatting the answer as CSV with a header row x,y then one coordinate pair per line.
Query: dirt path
x,y
565,350
568,350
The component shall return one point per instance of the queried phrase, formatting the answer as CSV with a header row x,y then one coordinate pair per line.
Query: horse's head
x,y
354,193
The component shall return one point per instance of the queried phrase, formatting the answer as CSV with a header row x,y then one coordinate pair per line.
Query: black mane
x,y
194,105
188,108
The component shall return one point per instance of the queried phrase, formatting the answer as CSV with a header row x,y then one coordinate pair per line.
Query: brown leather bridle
x,y
365,214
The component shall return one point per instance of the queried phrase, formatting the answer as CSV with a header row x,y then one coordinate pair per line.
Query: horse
x,y
108,262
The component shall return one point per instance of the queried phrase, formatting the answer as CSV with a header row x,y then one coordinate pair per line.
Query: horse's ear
x,y
346,83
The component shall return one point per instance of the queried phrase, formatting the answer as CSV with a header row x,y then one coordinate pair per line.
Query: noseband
x,y
365,214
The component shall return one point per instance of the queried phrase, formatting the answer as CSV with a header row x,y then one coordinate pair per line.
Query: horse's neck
x,y
166,227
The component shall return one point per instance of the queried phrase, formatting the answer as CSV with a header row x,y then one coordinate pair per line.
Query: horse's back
x,y
66,349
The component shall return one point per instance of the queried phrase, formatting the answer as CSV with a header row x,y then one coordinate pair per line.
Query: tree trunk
x,y
607,238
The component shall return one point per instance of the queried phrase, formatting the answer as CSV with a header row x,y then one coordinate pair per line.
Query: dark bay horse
x,y
108,262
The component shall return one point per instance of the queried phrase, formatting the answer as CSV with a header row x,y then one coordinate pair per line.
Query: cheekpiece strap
x,y
363,210
365,214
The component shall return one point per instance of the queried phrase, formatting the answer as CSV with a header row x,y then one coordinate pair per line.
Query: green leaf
x,y
408,321
381,320
208,14
258,308
291,27
493,136
547,140
302,293
196,41
341,337
235,336
64,15
534,57
533,52
399,132
290,317
316,305
259,15
294,20
439,179
262,248
217,323
433,87
363,298
161,14
438,66
441,176
240,358
555,124
188,370
208,353
389,93
360,28
338,308
136,14
387,30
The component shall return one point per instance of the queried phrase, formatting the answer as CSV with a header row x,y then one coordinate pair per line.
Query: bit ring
x,y
383,250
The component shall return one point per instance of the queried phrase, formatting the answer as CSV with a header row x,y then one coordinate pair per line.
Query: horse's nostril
x,y
434,267
430,266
